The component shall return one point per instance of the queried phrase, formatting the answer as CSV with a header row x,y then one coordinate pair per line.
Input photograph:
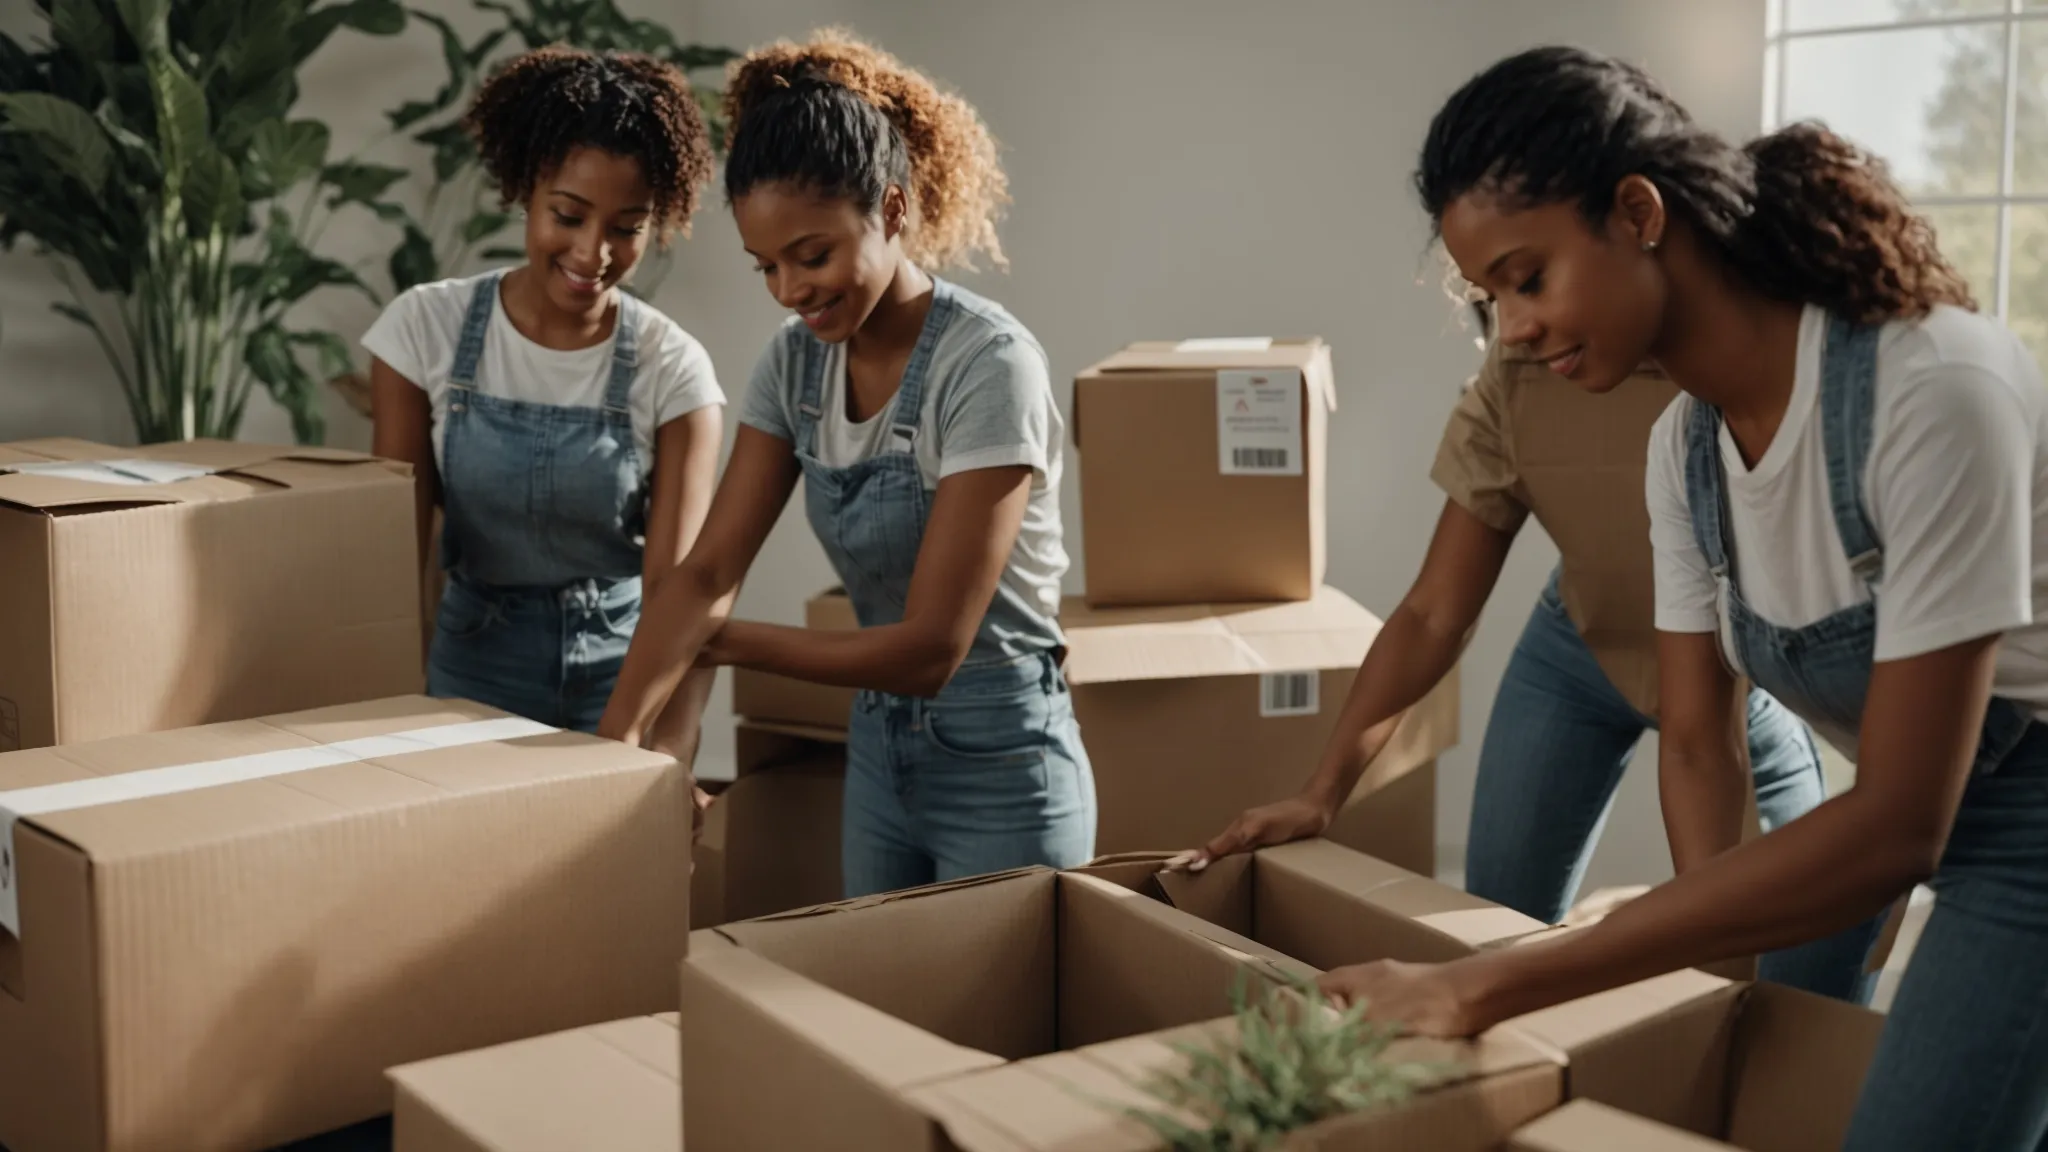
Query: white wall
x,y
1180,167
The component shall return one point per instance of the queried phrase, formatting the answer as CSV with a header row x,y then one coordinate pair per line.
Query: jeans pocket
x,y
464,613
1013,727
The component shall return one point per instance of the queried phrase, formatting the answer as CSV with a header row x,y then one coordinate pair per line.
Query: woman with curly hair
x,y
568,432
1848,505
920,419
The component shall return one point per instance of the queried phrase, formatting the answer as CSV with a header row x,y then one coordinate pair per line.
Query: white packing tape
x,y
95,791
115,471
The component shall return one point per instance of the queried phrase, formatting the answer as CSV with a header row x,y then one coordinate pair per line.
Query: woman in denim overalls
x,y
921,420
1848,507
568,432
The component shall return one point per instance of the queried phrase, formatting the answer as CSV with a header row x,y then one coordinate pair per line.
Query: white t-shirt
x,y
988,403
418,332
1956,487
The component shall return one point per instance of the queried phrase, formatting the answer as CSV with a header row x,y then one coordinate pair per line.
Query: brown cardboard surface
x,y
1586,1126
234,967
866,1001
765,696
612,1087
1160,521
284,580
1170,705
770,841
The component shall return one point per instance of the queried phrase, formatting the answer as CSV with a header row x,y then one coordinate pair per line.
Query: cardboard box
x,y
613,1087
246,580
776,699
1192,714
1584,1126
226,934
1002,1014
771,838
1206,478
1759,1066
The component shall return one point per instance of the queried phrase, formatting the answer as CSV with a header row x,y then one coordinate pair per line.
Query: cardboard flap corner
x,y
1329,631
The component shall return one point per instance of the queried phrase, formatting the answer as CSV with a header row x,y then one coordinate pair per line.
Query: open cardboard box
x,y
1761,1066
770,840
1003,1014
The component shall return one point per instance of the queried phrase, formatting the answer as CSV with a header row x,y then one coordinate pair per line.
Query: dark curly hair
x,y
1800,215
539,106
843,119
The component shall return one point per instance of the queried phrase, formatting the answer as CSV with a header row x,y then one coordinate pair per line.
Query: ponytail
x,y
840,118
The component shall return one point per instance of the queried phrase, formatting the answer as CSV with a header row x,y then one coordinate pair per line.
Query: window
x,y
1954,95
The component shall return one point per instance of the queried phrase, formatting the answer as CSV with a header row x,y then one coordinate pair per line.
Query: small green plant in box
x,y
1292,1060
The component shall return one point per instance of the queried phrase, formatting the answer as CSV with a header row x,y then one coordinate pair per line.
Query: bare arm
x,y
1832,868
974,523
1702,755
402,428
691,601
685,475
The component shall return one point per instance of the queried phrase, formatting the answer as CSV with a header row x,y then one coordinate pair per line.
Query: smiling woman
x,y
569,432
920,419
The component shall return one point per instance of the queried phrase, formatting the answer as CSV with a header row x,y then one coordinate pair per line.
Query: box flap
x,y
1110,645
151,793
1211,353
858,903
1588,1126
49,475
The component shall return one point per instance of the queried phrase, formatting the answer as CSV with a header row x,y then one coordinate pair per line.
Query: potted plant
x,y
149,149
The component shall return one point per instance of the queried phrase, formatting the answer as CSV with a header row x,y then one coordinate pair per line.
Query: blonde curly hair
x,y
843,118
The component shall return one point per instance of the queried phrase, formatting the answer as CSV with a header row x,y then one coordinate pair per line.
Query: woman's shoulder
x,y
1951,341
979,322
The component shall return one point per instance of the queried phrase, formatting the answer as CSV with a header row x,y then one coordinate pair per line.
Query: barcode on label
x,y
1289,694
1260,460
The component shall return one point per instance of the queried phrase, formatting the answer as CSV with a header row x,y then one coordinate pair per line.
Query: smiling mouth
x,y
1565,363
816,316
579,282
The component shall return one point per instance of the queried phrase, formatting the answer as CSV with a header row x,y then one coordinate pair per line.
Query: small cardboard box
x,y
612,1087
771,837
226,934
774,699
1001,1014
1203,471
146,589
1192,714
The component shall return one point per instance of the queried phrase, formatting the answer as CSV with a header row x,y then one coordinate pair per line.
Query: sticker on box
x,y
1258,422
1290,694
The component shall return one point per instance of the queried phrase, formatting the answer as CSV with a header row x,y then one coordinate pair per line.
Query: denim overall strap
x,y
903,430
618,388
1848,392
476,323
1706,488
810,395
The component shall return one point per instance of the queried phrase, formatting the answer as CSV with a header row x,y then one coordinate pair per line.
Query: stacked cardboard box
x,y
221,937
771,839
179,584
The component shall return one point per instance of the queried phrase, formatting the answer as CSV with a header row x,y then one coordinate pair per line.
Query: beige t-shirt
x,y
1525,441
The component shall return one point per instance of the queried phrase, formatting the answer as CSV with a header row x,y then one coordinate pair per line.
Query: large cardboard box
x,y
612,1087
226,934
770,841
1192,714
143,589
774,699
1005,1014
1586,1126
1203,471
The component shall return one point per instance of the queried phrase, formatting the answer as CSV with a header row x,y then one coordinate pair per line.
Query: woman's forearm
x,y
679,615
899,658
1825,872
1408,658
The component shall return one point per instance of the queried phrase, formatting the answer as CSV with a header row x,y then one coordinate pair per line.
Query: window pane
x,y
1968,236
1801,15
2028,313
2030,149
1930,101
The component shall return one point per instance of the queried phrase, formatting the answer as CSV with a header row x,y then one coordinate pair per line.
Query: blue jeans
x,y
989,775
550,655
1963,1062
1555,747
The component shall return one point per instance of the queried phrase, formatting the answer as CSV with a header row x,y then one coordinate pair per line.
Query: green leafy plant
x,y
148,146
1292,1060
460,215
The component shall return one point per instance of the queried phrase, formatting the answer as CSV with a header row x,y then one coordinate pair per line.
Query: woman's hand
x,y
1281,822
1431,999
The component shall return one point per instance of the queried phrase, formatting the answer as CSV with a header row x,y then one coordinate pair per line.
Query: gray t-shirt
x,y
988,403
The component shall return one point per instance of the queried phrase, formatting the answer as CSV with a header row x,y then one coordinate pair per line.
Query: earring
x,y
1649,245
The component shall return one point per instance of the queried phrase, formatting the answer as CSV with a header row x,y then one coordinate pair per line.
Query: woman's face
x,y
587,225
822,257
1588,301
